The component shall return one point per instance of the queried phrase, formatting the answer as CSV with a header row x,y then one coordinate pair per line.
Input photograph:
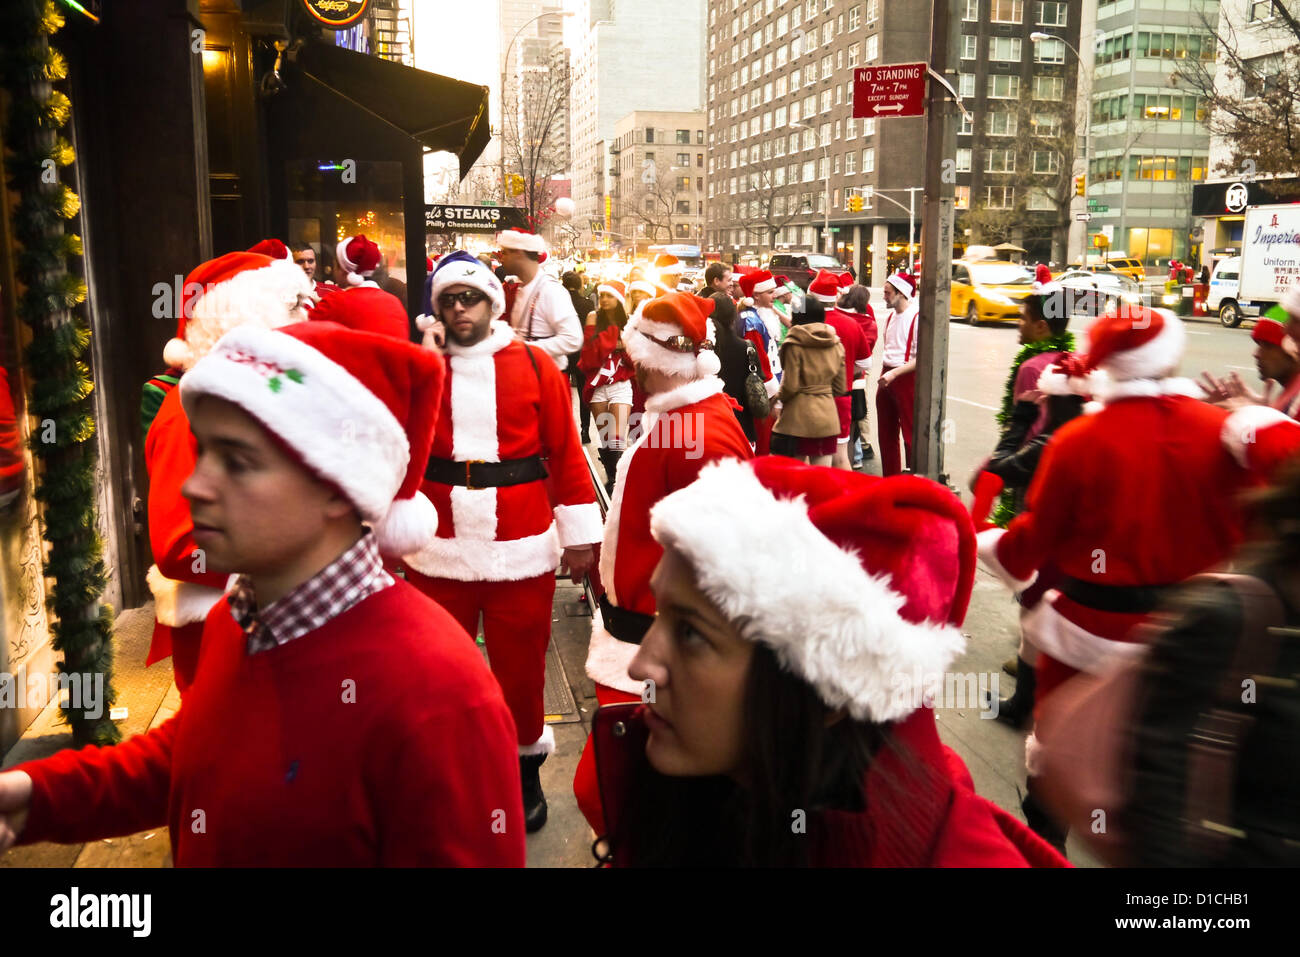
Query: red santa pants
x,y
586,785
895,404
516,630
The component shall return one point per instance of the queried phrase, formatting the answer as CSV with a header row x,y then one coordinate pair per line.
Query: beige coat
x,y
812,360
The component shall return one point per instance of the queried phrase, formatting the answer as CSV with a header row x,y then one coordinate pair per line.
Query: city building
x,y
656,180
1021,148
626,57
1149,141
785,152
1261,39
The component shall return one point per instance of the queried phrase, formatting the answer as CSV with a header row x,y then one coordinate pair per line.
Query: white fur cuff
x,y
578,525
986,544
177,603
543,745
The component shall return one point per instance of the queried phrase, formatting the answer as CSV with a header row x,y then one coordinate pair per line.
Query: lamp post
x,y
911,217
505,62
826,154
1038,36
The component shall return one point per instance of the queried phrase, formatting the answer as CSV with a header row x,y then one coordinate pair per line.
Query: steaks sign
x,y
472,219
888,90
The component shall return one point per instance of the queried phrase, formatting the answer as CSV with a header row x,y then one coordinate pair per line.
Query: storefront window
x,y
331,199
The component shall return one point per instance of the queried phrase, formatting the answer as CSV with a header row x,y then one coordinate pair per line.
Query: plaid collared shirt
x,y
354,575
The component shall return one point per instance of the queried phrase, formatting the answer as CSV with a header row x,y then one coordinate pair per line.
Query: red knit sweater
x,y
381,738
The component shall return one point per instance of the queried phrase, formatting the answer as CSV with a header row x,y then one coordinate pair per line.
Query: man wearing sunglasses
x,y
507,423
541,312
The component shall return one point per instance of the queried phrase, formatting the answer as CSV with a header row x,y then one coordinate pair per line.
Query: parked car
x,y
1222,299
988,290
1129,267
1095,292
1086,267
802,268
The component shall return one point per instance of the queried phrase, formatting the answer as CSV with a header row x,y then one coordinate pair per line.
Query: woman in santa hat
x,y
785,720
608,374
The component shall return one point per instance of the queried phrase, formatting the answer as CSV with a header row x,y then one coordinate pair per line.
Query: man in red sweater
x,y
338,717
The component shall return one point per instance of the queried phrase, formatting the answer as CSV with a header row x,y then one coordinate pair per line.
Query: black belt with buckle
x,y
1120,599
476,474
629,626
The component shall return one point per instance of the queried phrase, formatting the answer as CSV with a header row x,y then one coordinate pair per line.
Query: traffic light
x,y
516,185
1080,186
855,203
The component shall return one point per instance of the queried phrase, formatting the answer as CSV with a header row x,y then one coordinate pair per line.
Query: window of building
x,y
839,59
1000,197
809,105
968,45
649,205
1115,48
824,135
683,182
1040,199
1046,124
782,24
837,129
855,17
964,125
650,135
999,161
855,50
850,128
1001,123
1046,161
971,11
1048,87
683,159
835,165
1262,11
809,171
850,162
828,32
869,127
827,67
794,112
873,11
966,84
961,198
1049,51
1005,49
684,206
963,161
873,48
796,47
826,100
782,56
821,203
1053,14
1007,87
1007,11
869,160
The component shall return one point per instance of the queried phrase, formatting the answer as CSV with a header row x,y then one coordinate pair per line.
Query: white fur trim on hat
x,y
827,619
355,277
611,290
902,284
1151,360
268,298
342,430
516,239
825,300
651,355
1241,429
643,285
767,285
476,276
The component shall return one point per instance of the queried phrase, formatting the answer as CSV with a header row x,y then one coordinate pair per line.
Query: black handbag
x,y
858,405
757,403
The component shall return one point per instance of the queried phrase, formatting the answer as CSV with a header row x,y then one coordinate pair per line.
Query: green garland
x,y
1006,507
64,429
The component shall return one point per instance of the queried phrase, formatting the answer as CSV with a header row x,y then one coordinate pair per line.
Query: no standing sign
x,y
891,89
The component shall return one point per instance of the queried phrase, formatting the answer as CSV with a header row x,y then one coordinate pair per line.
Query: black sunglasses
x,y
470,297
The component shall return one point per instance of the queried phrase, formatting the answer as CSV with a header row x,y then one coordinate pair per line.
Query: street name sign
x,y
889,90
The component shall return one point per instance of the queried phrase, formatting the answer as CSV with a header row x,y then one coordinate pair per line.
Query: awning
x,y
437,111
1008,248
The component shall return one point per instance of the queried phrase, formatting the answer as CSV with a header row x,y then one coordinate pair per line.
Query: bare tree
x,y
654,201
535,148
1252,102
773,205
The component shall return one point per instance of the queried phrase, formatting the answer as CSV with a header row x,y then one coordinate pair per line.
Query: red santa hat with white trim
x,y
827,286
273,248
358,408
760,280
521,239
358,257
233,290
365,310
612,287
674,335
865,594
904,283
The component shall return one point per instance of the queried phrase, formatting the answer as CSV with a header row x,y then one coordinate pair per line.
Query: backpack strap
x,y
1216,741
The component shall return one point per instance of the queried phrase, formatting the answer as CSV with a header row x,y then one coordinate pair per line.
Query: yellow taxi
x,y
988,290
1129,267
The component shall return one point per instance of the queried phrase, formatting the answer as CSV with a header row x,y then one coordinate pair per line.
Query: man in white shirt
x,y
896,390
543,311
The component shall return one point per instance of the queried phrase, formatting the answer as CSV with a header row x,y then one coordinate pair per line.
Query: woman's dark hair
x,y
571,281
855,299
792,762
609,317
813,311
723,315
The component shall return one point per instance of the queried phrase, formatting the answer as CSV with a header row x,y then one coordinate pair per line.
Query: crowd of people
x,y
336,512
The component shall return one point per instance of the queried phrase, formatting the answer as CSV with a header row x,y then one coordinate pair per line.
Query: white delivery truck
x,y
1270,262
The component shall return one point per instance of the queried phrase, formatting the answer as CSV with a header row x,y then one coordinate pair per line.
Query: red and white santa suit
x,y
683,430
233,290
896,401
603,362
761,327
541,309
826,289
506,421
1132,499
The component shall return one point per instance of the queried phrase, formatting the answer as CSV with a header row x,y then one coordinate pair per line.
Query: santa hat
x,y
760,280
428,264
903,282
643,285
1042,274
359,258
459,268
233,290
358,408
827,286
273,248
864,595
1070,375
1135,342
365,310
1291,302
674,335
519,239
614,288
1269,331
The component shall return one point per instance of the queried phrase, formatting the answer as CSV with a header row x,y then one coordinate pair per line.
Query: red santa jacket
x,y
682,431
867,325
284,770
499,404
183,589
921,810
602,361
1143,493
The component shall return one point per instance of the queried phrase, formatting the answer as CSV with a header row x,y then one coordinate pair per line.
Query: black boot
x,y
609,459
530,767
1039,821
1018,710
